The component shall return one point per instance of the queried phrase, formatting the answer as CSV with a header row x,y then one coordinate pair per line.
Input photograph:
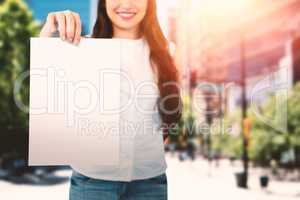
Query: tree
x,y
271,144
16,27
226,140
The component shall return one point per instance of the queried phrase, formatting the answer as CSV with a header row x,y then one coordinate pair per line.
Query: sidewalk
x,y
196,181
187,180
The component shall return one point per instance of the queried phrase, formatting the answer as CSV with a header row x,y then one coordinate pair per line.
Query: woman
x,y
141,172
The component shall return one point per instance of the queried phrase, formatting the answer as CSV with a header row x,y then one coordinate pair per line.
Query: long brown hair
x,y
169,103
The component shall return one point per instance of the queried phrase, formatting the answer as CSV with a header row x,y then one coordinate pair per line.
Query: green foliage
x,y
16,27
224,140
269,143
269,140
227,145
293,117
186,128
185,123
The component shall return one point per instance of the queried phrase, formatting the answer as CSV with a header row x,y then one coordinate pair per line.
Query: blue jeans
x,y
86,188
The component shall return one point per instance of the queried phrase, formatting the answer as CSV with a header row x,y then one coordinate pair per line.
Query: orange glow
x,y
218,15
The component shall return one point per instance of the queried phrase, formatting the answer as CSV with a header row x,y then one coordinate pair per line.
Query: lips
x,y
125,15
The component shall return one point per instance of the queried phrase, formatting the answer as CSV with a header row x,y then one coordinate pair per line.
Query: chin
x,y
127,25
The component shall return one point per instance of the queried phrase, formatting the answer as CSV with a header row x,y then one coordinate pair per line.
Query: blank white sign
x,y
74,101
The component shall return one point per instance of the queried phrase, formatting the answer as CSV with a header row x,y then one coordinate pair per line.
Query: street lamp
x,y
244,114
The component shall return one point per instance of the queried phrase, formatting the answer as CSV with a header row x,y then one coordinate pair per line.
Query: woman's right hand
x,y
66,23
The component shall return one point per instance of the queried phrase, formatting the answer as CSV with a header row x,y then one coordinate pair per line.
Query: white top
x,y
141,142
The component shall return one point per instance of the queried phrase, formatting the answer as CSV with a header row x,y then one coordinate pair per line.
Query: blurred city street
x,y
238,64
196,180
187,180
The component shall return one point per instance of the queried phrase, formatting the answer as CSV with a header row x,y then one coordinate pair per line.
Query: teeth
x,y
126,15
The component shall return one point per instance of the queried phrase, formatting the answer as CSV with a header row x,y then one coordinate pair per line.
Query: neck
x,y
126,34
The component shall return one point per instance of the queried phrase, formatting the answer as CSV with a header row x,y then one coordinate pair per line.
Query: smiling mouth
x,y
126,15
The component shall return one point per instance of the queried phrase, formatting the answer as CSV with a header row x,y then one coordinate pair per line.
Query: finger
x,y
60,18
78,28
51,22
70,24
49,27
